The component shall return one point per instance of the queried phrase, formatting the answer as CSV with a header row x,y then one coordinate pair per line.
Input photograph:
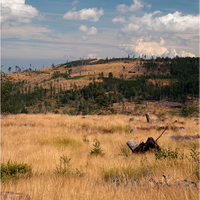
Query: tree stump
x,y
132,145
150,144
148,117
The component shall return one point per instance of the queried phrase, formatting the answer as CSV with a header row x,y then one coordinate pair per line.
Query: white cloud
x,y
24,31
88,31
75,2
16,11
148,6
152,49
92,14
134,7
170,23
185,54
147,48
119,19
92,56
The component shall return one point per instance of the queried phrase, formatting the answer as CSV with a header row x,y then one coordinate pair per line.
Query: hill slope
x,y
118,85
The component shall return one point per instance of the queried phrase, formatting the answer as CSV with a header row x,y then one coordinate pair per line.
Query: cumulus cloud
x,y
92,56
119,19
147,48
16,11
91,14
152,49
170,23
88,31
134,7
185,54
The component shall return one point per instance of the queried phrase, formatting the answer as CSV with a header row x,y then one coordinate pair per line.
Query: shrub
x,y
194,153
124,151
97,149
85,139
10,170
168,154
188,111
64,169
56,112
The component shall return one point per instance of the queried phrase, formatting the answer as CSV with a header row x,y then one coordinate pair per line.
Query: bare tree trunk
x,y
132,145
148,117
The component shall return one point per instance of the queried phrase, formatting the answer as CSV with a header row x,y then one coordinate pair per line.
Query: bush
x,y
97,149
124,151
188,111
65,168
56,112
10,170
168,154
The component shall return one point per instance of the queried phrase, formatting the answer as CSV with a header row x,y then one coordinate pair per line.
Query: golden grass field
x,y
47,137
88,71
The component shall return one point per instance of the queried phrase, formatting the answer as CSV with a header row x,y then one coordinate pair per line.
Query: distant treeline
x,y
182,75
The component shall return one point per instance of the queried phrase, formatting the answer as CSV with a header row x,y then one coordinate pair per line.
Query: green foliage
x,y
188,111
56,112
64,169
194,153
85,139
62,142
182,75
124,151
97,150
15,170
168,154
143,161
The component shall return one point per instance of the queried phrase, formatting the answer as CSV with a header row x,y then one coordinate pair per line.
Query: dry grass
x,y
88,71
48,137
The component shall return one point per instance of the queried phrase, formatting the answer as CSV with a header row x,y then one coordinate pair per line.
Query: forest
x,y
183,86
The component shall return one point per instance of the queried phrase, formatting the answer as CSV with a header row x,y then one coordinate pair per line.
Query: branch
x,y
161,133
165,179
191,175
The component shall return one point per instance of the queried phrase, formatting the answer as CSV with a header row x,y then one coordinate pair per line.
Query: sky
x,y
39,33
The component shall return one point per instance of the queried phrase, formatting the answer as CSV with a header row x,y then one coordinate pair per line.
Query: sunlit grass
x,y
50,137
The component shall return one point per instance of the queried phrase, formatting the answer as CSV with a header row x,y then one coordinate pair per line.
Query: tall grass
x,y
52,137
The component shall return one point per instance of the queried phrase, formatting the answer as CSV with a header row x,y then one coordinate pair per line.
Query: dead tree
x,y
150,144
148,117
132,145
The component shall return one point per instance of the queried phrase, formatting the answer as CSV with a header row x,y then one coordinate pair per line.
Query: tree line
x,y
182,75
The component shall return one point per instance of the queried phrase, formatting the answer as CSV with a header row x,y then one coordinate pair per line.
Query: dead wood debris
x,y
150,144
184,137
183,182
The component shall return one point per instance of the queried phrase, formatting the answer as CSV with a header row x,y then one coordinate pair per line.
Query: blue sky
x,y
42,32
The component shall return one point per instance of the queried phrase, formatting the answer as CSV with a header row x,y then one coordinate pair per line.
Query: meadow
x,y
86,157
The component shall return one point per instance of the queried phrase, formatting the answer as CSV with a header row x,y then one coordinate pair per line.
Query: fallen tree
x,y
150,144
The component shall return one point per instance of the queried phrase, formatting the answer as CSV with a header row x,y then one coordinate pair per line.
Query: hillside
x,y
118,85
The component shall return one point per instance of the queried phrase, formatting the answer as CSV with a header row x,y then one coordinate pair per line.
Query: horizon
x,y
42,33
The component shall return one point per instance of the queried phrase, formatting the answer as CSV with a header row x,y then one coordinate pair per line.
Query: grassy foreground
x,y
59,150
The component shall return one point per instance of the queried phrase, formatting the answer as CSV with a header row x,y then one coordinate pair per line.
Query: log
x,y
143,147
150,144
132,145
148,117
